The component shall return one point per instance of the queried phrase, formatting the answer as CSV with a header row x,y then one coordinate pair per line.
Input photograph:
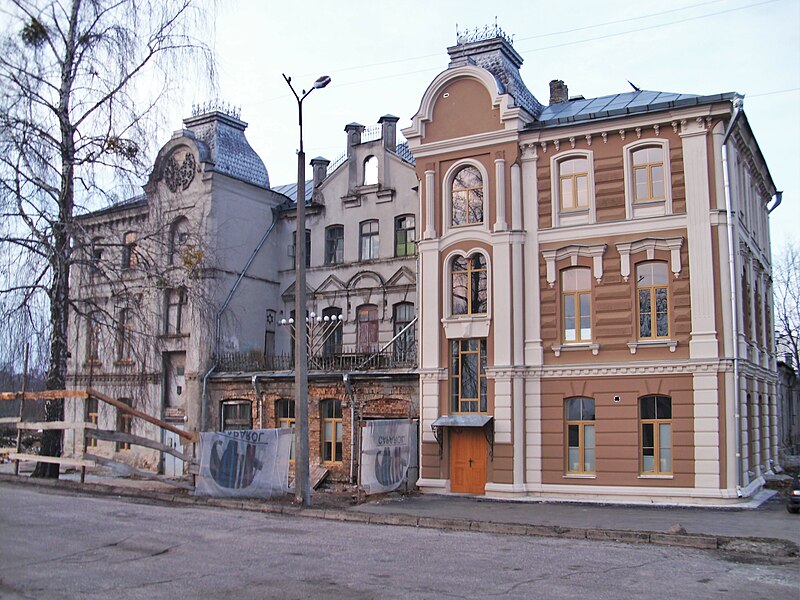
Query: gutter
x,y
349,389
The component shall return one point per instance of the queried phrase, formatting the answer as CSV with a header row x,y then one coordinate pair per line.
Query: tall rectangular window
x,y
369,241
573,177
124,424
576,304
468,386
367,328
176,308
580,435
286,420
332,317
655,422
334,245
651,288
293,248
130,255
331,430
125,335
93,339
404,236
404,344
648,174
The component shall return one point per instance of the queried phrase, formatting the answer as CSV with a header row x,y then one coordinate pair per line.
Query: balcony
x,y
346,361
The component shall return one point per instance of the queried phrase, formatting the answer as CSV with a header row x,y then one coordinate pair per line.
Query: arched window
x,y
580,435
130,256
367,328
331,441
332,345
655,433
576,304
468,285
652,291
369,240
466,197
404,344
371,170
334,245
178,238
648,173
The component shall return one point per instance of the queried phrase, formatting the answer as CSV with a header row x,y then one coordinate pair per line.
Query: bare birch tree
x,y
81,82
786,285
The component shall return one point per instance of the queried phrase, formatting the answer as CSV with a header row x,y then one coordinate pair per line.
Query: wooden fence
x,y
85,430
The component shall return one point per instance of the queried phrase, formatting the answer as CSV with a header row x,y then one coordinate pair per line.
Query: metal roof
x,y
290,191
618,105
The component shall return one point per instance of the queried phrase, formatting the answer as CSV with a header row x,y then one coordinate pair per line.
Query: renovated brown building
x,y
594,289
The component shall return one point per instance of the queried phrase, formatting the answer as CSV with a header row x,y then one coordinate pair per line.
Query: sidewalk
x,y
768,530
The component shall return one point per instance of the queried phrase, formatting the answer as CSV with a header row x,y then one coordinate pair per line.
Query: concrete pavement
x,y
768,530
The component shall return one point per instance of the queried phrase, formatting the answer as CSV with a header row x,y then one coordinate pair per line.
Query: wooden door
x,y
467,460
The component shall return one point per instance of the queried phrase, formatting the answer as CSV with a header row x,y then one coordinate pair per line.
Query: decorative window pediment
x,y
650,245
573,252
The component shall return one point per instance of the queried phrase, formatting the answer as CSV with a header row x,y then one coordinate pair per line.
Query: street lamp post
x,y
302,482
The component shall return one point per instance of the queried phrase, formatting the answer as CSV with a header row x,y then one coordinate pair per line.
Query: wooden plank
x,y
117,436
47,425
124,469
58,460
8,450
190,436
44,395
4,420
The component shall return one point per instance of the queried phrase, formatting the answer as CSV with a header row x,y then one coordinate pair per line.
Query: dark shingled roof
x,y
231,153
619,105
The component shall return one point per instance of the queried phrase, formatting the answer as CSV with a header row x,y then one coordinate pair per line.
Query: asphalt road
x,y
60,546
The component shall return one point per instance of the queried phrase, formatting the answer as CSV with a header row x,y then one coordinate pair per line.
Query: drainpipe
x,y
734,298
204,403
349,389
254,382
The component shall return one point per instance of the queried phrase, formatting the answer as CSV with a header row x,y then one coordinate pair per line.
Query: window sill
x,y
92,363
172,336
671,344
656,477
124,362
559,348
466,326
579,476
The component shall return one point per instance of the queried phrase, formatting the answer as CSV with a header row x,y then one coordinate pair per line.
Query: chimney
x,y
558,92
389,131
354,131
319,169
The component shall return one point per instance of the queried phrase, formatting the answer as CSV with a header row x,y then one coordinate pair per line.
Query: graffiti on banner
x,y
385,455
249,463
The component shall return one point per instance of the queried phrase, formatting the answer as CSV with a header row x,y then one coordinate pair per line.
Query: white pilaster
x,y
430,204
500,223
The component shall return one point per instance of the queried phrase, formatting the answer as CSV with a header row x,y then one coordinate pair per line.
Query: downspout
x,y
254,382
734,298
218,328
349,389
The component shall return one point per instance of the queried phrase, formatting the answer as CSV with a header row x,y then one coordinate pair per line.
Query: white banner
x,y
385,455
250,463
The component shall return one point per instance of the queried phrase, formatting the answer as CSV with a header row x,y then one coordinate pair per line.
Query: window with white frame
x,y
580,435
655,422
647,178
572,188
576,304
369,240
652,290
334,245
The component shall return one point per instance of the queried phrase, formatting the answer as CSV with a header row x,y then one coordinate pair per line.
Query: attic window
x,y
371,170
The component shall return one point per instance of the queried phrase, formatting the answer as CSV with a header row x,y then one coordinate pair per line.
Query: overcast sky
x,y
382,55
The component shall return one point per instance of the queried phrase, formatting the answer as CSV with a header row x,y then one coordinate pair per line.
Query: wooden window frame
x,y
237,420
652,291
573,178
473,275
371,238
337,429
576,296
334,246
125,336
403,246
93,340
581,424
130,254
367,346
656,424
474,197
459,350
648,168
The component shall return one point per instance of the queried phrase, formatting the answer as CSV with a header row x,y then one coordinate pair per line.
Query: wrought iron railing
x,y
347,360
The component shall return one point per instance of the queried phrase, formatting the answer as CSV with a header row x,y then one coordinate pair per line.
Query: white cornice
x,y
469,142
644,226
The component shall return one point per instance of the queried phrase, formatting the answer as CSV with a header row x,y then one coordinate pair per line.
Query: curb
x,y
754,546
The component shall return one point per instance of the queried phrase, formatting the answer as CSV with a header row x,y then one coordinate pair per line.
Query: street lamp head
x,y
322,82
